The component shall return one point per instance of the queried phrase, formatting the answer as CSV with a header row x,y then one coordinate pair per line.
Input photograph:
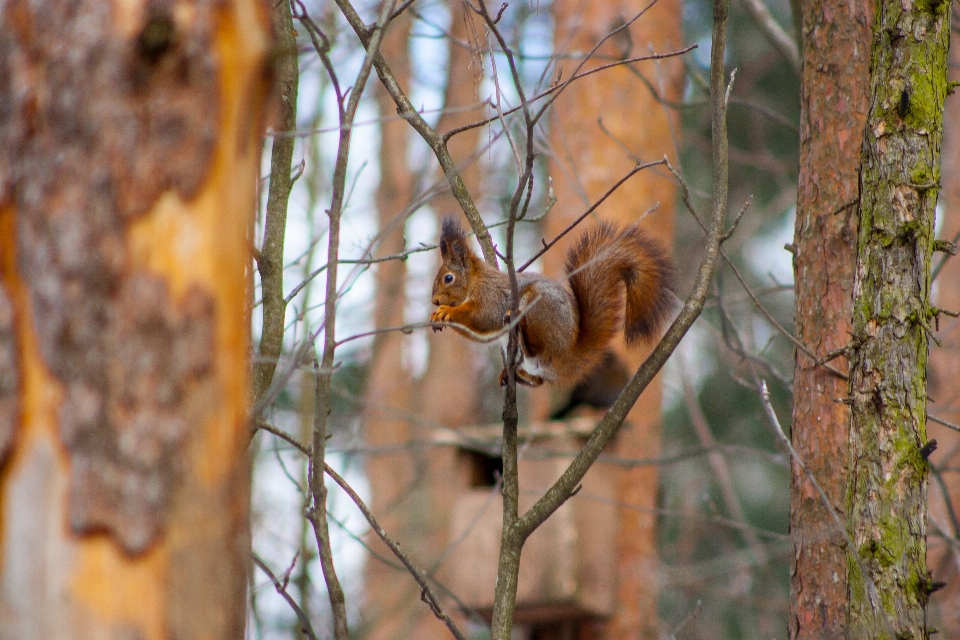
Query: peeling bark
x,y
118,121
129,151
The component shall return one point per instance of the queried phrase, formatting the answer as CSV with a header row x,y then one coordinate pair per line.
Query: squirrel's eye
x,y
447,279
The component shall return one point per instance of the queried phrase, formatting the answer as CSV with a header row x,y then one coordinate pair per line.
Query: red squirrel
x,y
563,332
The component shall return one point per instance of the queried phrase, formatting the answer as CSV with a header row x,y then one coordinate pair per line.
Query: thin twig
x,y
785,45
943,422
546,245
283,435
436,143
317,512
426,593
281,588
773,321
718,464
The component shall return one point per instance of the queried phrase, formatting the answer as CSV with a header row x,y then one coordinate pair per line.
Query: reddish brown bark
x,y
836,58
391,603
598,123
128,168
454,365
414,488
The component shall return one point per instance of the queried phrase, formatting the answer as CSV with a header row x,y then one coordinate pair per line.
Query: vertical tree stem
x,y
834,94
900,176
324,369
270,260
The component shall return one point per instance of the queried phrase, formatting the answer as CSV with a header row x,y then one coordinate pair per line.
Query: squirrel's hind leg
x,y
524,378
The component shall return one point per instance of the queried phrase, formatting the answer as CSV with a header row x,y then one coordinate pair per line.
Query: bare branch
x,y
719,465
785,45
281,587
317,512
436,143
546,245
270,257
426,593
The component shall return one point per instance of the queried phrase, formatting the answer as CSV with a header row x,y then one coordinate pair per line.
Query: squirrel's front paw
x,y
441,314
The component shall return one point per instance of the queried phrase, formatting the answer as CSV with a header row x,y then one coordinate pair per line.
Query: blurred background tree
x,y
131,139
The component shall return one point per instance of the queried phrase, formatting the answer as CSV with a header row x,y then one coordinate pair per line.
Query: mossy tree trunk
x,y
887,496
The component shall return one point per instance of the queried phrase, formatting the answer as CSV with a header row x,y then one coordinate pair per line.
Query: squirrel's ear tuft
x,y
450,229
453,247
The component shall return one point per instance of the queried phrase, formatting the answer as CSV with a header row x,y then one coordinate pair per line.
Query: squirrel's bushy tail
x,y
604,262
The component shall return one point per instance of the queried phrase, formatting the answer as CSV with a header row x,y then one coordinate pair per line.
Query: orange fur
x,y
563,332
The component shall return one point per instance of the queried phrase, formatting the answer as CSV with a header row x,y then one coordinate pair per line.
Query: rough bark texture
x,y
943,555
598,123
129,149
121,120
900,178
834,86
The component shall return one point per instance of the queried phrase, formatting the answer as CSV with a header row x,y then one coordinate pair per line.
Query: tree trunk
x,y
129,153
900,177
392,604
834,85
454,365
597,124
420,490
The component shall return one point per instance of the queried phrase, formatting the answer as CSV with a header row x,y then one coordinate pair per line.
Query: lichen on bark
x,y
96,124
886,499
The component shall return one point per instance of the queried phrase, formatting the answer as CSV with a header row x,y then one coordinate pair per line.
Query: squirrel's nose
x,y
436,300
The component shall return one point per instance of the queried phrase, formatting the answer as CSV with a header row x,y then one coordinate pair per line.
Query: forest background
x,y
715,481
757,486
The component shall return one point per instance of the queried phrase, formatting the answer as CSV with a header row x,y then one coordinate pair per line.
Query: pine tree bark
x,y
130,142
892,316
392,607
454,365
834,90
597,124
